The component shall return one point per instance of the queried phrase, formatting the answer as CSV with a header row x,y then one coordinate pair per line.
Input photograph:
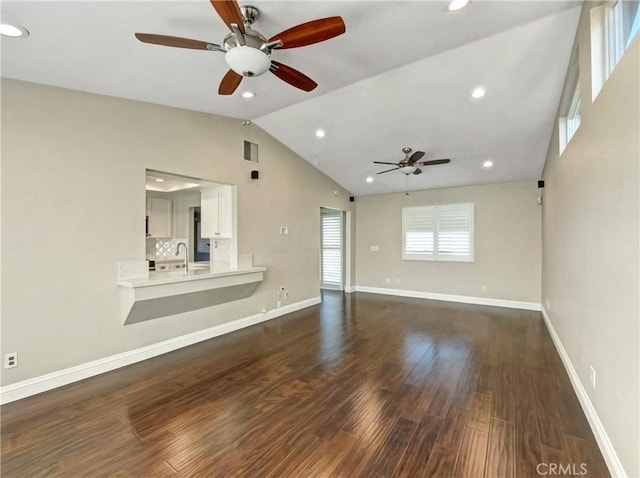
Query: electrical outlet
x,y
484,287
11,360
397,280
278,304
592,376
388,281
286,294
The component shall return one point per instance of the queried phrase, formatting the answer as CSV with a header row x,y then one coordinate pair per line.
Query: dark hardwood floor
x,y
364,385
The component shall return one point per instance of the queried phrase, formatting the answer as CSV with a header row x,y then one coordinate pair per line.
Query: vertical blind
x,y
332,248
443,232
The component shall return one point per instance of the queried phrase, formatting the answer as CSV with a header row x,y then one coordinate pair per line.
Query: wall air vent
x,y
250,151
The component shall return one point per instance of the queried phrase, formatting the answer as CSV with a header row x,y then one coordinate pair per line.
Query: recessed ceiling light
x,y
248,94
487,164
13,31
457,5
320,133
369,179
159,180
478,92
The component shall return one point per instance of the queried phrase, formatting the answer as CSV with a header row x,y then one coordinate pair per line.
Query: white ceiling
x,y
401,76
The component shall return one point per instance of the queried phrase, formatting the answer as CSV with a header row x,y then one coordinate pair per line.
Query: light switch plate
x,y
375,248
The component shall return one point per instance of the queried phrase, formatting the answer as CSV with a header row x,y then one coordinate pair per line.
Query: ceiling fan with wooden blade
x,y
409,165
248,52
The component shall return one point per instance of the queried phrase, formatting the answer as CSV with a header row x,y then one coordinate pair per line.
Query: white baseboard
x,y
512,304
606,447
32,386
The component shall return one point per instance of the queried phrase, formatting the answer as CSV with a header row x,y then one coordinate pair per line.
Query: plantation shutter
x,y
454,229
441,233
332,249
419,230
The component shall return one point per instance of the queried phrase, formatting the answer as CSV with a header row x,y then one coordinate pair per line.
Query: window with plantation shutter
x,y
438,233
332,234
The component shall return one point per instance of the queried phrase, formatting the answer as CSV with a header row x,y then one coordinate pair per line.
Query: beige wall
x,y
73,205
591,244
507,243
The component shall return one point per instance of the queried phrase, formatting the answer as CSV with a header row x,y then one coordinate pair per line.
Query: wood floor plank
x,y
386,458
441,462
481,406
418,451
453,428
500,450
472,455
527,438
584,458
362,385
556,463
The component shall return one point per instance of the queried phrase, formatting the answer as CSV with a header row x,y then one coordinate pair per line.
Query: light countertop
x,y
159,278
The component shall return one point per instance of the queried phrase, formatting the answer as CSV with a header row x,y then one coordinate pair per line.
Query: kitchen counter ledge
x,y
160,278
169,293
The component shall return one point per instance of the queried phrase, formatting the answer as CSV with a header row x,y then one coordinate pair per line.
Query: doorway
x,y
332,249
201,245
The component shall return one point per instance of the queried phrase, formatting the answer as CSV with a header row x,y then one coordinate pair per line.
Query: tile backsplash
x,y
164,249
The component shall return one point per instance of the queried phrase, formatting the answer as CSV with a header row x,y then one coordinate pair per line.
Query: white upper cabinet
x,y
159,217
217,212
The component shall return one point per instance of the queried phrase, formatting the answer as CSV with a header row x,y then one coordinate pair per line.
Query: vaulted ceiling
x,y
402,75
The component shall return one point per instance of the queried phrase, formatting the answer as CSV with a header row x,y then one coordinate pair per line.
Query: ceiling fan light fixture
x,y
457,5
248,94
408,169
247,61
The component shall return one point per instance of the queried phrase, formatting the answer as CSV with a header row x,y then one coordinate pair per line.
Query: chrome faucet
x,y
185,266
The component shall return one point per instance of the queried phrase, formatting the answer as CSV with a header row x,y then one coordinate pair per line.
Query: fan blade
x,y
435,161
415,157
418,171
229,11
229,83
392,169
383,162
292,76
178,42
311,32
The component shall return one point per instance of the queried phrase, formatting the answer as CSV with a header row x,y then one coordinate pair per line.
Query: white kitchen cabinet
x,y
216,212
159,217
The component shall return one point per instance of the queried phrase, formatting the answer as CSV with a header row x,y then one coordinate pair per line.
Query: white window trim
x,y
598,49
574,117
608,42
569,124
436,256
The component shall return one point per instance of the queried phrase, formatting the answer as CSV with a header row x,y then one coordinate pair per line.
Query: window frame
x,y
614,25
437,256
574,115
